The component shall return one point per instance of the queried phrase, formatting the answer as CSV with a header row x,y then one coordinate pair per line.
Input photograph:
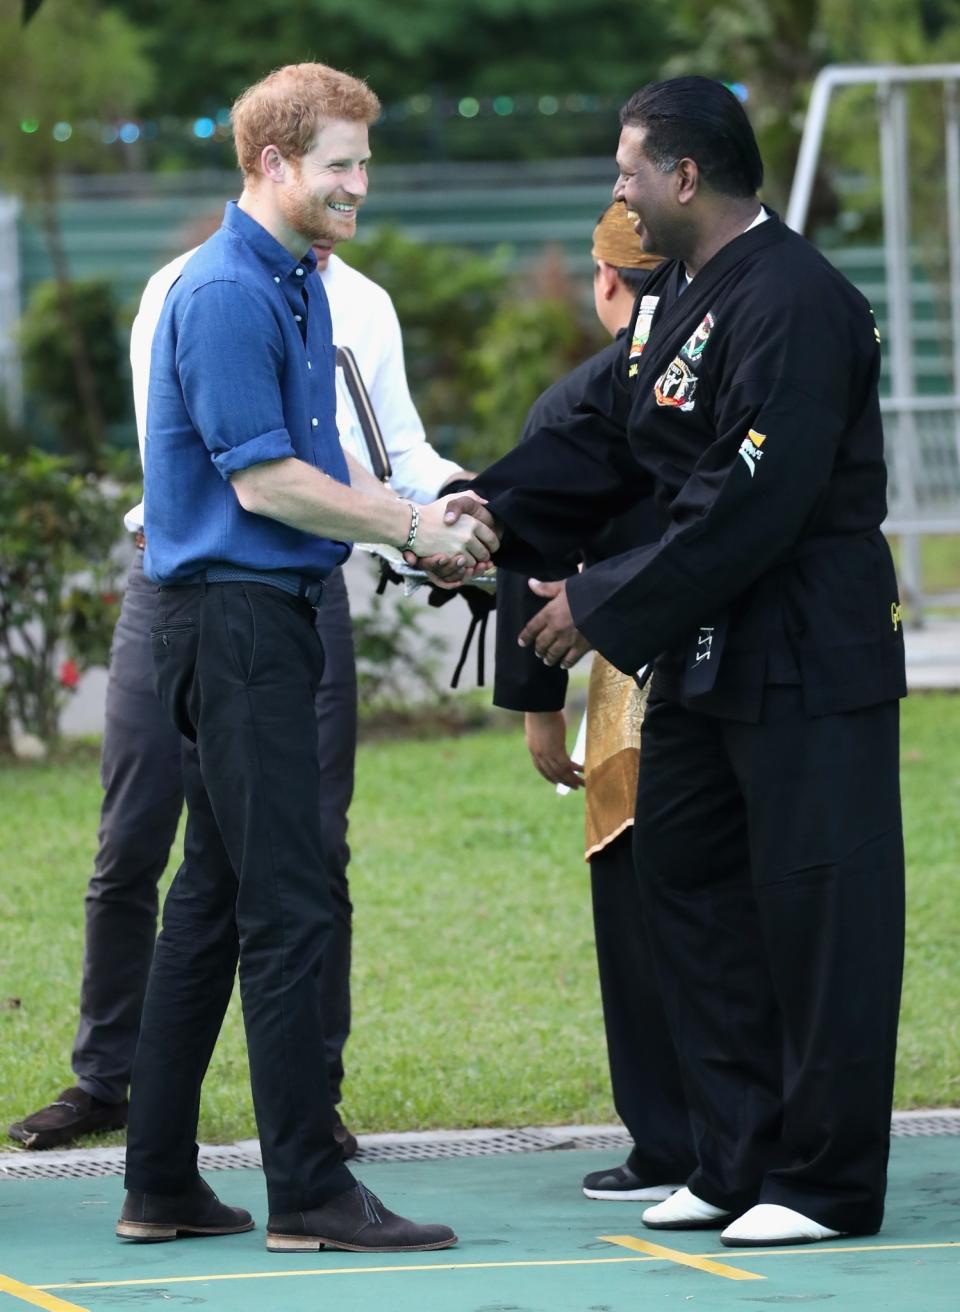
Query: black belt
x,y
295,585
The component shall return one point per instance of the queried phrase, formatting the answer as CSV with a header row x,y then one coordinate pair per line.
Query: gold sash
x,y
615,708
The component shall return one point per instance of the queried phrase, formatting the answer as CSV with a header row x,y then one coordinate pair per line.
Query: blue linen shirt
x,y
242,371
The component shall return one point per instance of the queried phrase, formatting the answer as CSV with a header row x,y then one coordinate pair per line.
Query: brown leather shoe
x,y
72,1114
152,1218
357,1222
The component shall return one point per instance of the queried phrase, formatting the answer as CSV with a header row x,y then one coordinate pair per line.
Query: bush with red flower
x,y
58,585
70,675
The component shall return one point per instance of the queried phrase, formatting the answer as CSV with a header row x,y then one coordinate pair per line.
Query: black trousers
x,y
142,801
238,666
644,1072
771,860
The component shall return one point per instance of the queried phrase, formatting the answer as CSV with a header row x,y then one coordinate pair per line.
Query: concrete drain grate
x,y
96,1163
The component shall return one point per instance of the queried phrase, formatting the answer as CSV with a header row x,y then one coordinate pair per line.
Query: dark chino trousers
x,y
644,1072
771,860
143,798
237,667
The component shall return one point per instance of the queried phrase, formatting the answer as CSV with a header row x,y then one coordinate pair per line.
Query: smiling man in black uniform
x,y
768,832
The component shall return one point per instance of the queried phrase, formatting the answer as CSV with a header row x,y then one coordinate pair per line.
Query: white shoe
x,y
619,1184
652,1193
769,1223
685,1211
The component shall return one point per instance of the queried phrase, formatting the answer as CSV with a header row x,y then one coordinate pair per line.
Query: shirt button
x,y
299,273
309,365
315,423
275,278
299,318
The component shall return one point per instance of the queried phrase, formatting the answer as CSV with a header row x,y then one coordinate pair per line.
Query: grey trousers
x,y
142,801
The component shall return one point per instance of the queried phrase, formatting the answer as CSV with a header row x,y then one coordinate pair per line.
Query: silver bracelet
x,y
414,526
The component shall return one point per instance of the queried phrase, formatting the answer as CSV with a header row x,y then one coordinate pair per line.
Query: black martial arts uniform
x,y
768,830
644,1074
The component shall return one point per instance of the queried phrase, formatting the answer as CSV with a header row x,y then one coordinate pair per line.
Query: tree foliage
x,y
777,47
48,366
75,61
476,47
443,295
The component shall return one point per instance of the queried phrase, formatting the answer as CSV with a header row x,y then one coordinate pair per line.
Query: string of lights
x,y
215,127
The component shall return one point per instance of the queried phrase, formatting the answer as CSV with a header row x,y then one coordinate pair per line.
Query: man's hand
x,y
546,735
552,632
451,569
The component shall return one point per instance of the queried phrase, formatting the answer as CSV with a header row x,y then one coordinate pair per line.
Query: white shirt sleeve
x,y
141,344
419,471
365,320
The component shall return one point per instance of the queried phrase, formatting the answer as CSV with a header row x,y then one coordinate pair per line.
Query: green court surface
x,y
529,1242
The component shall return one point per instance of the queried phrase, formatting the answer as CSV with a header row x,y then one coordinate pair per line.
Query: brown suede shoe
x,y
74,1113
357,1222
152,1218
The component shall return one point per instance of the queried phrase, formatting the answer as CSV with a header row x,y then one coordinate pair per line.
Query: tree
x,y
74,62
777,47
480,48
48,366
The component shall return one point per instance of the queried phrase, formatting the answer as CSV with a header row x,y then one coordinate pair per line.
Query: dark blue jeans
x,y
142,801
238,666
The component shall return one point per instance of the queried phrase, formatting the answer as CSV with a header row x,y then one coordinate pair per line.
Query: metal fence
x,y
923,447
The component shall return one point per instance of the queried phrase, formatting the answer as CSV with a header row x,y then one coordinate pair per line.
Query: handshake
x,y
455,539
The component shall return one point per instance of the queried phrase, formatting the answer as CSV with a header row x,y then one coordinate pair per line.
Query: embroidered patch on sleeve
x,y
750,452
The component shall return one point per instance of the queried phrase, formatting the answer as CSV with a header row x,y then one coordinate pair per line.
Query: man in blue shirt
x,y
249,504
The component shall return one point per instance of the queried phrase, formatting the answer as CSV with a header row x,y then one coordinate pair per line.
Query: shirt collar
x,y
277,258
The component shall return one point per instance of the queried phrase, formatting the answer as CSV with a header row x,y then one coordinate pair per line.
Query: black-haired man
x,y
768,828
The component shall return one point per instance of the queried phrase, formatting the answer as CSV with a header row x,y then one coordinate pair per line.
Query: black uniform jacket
x,y
747,403
522,682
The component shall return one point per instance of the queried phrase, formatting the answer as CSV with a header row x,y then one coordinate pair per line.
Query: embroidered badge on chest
x,y
677,386
694,348
641,332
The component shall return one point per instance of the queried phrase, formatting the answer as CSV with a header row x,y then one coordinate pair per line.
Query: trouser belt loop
x,y
311,590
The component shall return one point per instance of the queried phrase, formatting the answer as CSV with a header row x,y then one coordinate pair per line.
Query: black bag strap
x,y
376,447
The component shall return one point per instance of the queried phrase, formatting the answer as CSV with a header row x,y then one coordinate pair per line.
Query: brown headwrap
x,y
616,243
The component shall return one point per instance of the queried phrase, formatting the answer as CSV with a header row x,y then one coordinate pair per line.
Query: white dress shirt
x,y
364,320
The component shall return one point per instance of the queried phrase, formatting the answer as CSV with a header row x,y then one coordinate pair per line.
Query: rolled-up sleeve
x,y
229,356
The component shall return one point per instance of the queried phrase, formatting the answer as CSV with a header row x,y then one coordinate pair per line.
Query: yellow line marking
x,y
826,1250
730,1255
682,1259
30,1294
349,1271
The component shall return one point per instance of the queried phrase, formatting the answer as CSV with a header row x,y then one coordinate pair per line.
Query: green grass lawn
x,y
475,992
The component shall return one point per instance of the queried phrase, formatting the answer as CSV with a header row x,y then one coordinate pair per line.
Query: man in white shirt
x,y
140,765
